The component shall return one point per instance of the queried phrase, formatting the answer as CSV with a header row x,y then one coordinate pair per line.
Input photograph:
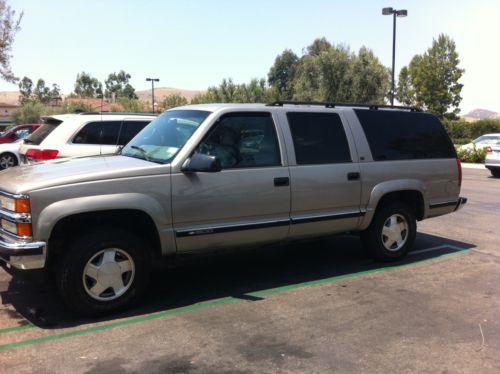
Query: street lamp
x,y
395,13
153,80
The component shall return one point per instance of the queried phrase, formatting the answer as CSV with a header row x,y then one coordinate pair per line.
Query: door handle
x,y
353,176
282,181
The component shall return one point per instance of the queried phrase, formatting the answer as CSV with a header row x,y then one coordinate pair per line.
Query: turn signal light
x,y
22,206
42,154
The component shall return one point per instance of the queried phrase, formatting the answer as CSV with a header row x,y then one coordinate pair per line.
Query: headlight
x,y
21,205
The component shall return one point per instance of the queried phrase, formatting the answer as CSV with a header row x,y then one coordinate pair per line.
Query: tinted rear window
x,y
318,138
397,135
37,136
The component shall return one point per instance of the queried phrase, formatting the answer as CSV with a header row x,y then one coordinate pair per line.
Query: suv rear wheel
x,y
391,233
103,272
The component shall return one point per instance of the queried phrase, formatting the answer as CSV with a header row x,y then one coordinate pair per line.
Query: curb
x,y
469,165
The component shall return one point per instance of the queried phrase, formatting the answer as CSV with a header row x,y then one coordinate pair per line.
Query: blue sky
x,y
194,44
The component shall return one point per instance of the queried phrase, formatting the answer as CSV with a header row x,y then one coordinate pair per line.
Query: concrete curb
x,y
468,165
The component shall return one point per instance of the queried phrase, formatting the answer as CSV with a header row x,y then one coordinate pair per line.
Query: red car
x,y
18,132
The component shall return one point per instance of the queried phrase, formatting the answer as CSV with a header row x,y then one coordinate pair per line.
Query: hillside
x,y
478,114
161,92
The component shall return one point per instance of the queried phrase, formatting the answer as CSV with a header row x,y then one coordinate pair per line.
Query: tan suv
x,y
205,177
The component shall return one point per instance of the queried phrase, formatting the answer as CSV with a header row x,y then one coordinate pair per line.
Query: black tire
x,y
495,173
75,288
379,245
7,160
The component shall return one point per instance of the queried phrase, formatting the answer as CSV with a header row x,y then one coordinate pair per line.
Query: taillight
x,y
489,149
459,167
42,154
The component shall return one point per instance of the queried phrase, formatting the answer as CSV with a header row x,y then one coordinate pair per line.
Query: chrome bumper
x,y
460,203
23,255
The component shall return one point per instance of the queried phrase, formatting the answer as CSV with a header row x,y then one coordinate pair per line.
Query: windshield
x,y
165,136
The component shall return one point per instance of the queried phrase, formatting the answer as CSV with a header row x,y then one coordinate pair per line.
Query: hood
x,y
26,178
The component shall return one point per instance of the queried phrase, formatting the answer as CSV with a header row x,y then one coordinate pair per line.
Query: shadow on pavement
x,y
229,274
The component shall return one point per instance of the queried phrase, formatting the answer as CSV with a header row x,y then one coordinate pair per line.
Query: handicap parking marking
x,y
257,295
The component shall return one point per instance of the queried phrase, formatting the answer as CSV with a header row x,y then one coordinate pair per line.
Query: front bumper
x,y
23,255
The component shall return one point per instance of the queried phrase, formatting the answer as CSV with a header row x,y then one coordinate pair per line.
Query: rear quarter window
x,y
397,135
37,136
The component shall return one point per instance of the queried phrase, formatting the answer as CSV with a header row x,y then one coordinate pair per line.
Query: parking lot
x,y
316,306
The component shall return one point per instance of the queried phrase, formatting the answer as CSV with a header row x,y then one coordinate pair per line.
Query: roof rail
x,y
333,105
118,113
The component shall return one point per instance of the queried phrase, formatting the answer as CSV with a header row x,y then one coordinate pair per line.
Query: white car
x,y
483,141
9,154
80,135
492,161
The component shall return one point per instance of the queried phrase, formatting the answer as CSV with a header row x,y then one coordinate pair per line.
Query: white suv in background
x,y
83,134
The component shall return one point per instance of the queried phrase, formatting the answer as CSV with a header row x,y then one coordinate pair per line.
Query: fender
x,y
58,210
384,188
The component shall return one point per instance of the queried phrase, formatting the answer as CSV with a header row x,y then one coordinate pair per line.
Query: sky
x,y
194,44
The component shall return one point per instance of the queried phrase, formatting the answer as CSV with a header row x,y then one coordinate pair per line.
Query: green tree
x,y
172,101
132,105
228,92
25,90
431,80
41,92
87,86
281,74
30,112
9,26
118,85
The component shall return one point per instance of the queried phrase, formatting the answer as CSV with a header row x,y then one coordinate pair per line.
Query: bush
x,y
470,130
475,155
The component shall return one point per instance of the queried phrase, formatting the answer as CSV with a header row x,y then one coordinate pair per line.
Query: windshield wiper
x,y
142,150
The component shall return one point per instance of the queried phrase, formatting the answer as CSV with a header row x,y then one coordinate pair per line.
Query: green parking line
x,y
207,304
17,328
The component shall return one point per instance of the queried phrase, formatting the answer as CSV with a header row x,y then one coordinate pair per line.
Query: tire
x,y
495,173
394,219
7,160
88,276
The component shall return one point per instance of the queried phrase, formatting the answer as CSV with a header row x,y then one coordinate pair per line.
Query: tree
x,y
25,90
228,92
173,100
87,86
9,26
281,74
431,80
42,93
118,85
30,112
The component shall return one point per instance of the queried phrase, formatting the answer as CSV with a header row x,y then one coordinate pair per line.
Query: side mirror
x,y
202,163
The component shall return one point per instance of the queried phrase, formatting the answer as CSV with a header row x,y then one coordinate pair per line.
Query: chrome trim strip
x,y
328,217
15,217
14,196
445,204
217,229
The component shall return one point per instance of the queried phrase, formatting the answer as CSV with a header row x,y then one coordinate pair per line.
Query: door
x,y
248,201
326,186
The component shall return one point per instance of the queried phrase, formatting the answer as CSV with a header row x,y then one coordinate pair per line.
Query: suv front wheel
x,y
391,233
103,272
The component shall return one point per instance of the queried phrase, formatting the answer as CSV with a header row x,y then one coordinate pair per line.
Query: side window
x,y
398,135
129,130
243,140
22,133
318,138
99,133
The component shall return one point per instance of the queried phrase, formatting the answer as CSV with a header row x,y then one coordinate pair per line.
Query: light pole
x,y
395,13
153,80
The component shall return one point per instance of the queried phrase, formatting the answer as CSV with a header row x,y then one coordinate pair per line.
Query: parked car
x,y
17,132
492,161
482,142
205,177
83,134
9,154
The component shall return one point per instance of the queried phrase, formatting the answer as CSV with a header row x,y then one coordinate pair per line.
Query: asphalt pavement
x,y
318,306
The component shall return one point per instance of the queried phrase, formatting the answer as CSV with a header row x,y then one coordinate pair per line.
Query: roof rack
x,y
117,113
333,105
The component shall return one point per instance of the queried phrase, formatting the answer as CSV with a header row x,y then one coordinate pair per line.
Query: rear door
x,y
248,202
324,172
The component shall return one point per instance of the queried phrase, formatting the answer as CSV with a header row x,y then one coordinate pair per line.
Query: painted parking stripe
x,y
230,299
